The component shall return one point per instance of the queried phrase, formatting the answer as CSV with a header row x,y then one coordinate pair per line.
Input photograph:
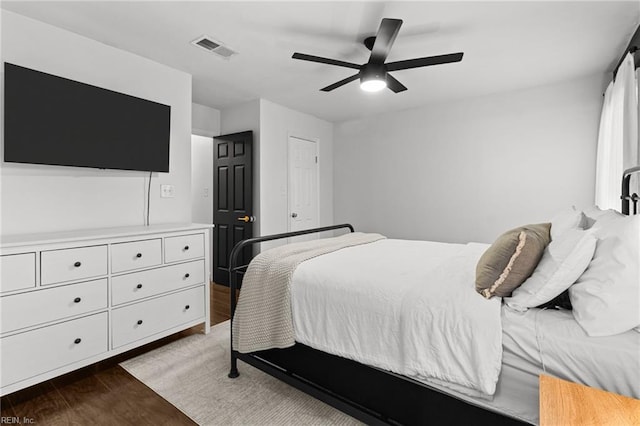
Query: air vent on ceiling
x,y
213,46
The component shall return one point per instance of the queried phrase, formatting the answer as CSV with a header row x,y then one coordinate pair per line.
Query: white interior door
x,y
303,184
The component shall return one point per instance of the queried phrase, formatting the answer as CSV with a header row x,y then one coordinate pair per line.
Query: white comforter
x,y
409,307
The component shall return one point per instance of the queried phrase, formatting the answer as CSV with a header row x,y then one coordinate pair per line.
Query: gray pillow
x,y
511,259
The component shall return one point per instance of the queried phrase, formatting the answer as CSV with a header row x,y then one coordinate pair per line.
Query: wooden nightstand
x,y
563,403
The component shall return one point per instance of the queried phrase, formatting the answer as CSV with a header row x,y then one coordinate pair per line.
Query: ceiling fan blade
x,y
311,58
387,34
395,85
424,62
340,83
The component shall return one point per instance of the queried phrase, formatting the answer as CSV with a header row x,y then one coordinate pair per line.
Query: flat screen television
x,y
57,121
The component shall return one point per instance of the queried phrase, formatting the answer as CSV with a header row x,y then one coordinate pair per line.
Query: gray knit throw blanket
x,y
263,317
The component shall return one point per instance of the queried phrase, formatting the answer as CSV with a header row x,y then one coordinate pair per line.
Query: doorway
x,y
232,200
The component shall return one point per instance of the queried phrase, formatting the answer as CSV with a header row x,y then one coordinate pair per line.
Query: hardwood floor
x,y
104,393
220,303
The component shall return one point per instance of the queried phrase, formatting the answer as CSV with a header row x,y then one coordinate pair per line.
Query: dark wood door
x,y
233,199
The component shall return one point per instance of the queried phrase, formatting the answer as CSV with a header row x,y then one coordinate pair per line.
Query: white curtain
x,y
618,136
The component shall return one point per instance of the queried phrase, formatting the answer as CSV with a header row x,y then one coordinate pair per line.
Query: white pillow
x,y
566,220
562,262
606,298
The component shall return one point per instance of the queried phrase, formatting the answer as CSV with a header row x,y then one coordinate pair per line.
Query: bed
x,y
352,340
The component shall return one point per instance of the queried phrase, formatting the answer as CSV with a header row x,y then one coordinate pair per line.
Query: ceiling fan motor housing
x,y
369,42
371,71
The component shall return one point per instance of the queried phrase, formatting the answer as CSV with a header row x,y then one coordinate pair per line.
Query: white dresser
x,y
70,299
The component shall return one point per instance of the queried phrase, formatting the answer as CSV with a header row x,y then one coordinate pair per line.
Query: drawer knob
x,y
186,248
139,255
187,307
139,322
77,264
139,286
77,300
77,341
186,275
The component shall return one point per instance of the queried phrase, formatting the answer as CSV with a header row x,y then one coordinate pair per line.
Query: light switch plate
x,y
167,191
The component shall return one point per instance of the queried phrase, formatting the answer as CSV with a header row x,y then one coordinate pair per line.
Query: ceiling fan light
x,y
373,77
373,85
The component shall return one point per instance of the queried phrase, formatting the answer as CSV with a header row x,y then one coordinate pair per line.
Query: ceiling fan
x,y
374,75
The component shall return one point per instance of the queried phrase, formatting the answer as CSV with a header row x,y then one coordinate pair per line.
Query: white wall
x,y
205,121
240,118
39,198
201,179
469,170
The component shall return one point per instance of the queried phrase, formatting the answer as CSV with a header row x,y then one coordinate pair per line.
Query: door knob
x,y
247,219
294,215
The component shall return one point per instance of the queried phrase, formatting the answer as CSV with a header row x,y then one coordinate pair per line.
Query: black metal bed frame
x,y
366,393
627,198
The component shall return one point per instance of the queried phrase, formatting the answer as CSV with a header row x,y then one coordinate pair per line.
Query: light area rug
x,y
191,373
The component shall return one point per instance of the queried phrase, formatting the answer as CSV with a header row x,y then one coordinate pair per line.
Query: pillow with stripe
x,y
511,259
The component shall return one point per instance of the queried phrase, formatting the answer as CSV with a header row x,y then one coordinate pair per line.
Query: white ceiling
x,y
507,45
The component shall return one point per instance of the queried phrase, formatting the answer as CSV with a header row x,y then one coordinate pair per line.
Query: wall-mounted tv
x,y
57,121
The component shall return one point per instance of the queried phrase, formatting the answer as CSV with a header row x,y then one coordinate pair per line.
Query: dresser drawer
x,y
144,319
184,247
137,285
57,266
38,307
35,352
17,271
136,255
